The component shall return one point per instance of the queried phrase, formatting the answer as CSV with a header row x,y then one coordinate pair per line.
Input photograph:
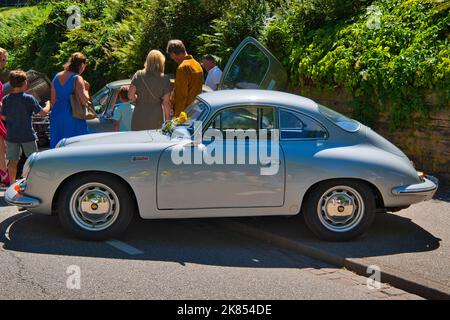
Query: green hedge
x,y
116,35
388,54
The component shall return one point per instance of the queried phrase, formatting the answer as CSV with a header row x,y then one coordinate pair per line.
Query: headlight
x,y
61,143
28,164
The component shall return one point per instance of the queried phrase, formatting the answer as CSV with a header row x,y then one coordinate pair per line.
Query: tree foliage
x,y
389,54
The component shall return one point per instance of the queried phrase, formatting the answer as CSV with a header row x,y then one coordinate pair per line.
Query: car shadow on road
x,y
2,199
205,241
389,235
443,193
179,241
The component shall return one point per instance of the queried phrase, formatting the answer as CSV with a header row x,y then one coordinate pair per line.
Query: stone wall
x,y
427,145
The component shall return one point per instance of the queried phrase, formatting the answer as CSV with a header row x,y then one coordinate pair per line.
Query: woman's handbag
x,y
80,111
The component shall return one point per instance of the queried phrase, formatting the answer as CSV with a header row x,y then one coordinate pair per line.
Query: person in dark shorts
x,y
17,110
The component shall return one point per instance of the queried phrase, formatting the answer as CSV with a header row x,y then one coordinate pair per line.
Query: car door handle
x,y
269,164
192,144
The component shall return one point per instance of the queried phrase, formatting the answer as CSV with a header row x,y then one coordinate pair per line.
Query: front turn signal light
x,y
421,175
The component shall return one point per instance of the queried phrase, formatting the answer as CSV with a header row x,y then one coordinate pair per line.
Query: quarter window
x,y
296,126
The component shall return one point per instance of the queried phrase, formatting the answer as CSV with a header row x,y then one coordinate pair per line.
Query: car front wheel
x,y
95,207
339,210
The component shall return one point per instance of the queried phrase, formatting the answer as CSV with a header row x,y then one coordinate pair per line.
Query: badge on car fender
x,y
140,158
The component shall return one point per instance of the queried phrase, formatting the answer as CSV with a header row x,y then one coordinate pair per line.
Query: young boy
x,y
17,109
123,111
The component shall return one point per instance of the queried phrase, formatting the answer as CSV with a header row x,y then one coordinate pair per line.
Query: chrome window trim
x,y
334,122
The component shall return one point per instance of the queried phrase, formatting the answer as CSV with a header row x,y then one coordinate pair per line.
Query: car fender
x,y
134,163
364,162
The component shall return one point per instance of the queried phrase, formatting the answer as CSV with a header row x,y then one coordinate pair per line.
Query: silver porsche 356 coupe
x,y
335,171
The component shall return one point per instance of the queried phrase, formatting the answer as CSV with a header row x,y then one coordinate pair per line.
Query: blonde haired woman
x,y
150,89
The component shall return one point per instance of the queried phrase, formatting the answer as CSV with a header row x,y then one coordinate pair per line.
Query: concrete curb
x,y
410,283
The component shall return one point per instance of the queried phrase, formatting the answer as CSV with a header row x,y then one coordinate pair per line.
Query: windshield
x,y
340,120
197,111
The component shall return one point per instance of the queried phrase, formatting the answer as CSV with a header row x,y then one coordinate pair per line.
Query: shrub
x,y
116,35
242,18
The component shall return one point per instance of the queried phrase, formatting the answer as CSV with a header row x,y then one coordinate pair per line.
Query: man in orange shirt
x,y
188,79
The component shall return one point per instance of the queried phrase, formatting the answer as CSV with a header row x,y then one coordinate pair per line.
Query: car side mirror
x,y
107,115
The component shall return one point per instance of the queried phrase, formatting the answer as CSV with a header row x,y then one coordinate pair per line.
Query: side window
x,y
245,118
267,118
215,124
240,118
296,126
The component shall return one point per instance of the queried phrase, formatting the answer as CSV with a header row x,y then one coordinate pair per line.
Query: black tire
x,y
124,213
311,212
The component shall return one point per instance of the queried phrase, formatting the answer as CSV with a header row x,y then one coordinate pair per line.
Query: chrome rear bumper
x,y
15,198
425,189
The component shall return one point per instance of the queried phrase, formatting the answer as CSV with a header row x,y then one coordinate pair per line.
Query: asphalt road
x,y
172,259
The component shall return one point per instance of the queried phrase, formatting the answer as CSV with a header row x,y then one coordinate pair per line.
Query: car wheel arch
x,y
84,173
379,202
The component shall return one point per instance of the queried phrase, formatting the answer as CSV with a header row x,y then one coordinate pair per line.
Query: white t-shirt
x,y
213,78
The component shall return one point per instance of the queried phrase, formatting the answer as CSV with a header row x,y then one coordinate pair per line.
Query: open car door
x,y
252,66
39,86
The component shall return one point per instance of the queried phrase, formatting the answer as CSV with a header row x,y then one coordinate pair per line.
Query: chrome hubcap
x,y
340,209
94,206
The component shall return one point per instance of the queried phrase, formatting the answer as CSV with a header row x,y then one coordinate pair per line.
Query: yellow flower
x,y
182,118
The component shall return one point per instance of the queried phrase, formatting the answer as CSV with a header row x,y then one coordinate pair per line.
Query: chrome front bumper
x,y
15,198
425,189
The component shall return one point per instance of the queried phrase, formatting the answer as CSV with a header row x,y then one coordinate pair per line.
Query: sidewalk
x,y
412,247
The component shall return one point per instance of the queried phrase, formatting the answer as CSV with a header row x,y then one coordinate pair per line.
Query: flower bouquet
x,y
170,125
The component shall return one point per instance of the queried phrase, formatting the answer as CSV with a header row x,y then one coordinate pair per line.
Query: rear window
x,y
340,120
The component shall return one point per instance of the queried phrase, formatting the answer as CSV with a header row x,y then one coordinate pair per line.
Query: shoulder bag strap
x,y
145,83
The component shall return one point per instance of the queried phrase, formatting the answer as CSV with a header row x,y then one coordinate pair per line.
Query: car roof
x,y
119,83
221,98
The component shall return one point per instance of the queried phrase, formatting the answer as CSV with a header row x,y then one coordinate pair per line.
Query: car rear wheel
x,y
95,207
339,210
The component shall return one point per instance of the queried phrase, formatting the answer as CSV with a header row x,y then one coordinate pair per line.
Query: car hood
x,y
117,138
